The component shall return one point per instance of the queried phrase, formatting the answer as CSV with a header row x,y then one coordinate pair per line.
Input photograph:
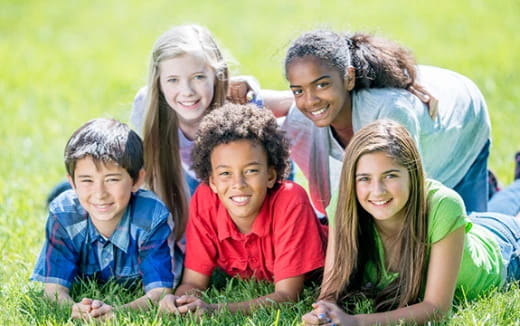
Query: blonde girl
x,y
405,242
187,76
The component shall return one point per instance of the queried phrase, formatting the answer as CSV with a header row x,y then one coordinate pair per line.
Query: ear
x,y
140,180
71,181
271,177
212,184
350,78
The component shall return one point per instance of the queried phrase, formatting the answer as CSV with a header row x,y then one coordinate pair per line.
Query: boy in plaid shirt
x,y
106,227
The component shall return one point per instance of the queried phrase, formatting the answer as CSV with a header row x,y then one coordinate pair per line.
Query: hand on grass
x,y
187,303
81,310
168,304
91,309
101,310
328,313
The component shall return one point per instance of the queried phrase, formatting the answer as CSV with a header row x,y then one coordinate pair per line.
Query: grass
x,y
65,62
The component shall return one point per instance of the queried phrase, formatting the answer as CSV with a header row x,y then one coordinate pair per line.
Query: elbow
x,y
438,311
286,296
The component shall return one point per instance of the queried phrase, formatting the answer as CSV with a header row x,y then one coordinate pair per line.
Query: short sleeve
x,y
298,238
446,214
58,261
155,261
201,249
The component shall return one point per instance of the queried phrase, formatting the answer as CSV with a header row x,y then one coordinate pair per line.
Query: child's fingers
x,y
237,92
86,301
105,311
191,303
80,309
185,299
311,318
168,304
96,304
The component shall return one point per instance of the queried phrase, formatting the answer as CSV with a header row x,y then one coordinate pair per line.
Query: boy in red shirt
x,y
244,218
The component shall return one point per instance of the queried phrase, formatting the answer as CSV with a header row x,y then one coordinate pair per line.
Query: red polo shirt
x,y
286,239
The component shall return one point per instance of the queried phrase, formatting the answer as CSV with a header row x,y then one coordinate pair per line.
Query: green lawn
x,y
65,62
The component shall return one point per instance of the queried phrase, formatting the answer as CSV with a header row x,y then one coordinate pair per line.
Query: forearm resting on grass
x,y
441,278
187,298
88,308
57,293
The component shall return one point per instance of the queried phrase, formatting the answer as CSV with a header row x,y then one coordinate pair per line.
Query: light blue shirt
x,y
448,144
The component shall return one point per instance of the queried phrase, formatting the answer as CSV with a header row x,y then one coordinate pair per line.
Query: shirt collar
x,y
226,228
119,238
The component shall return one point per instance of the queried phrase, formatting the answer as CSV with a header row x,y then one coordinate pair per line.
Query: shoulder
x,y
446,211
289,203
66,209
441,197
204,202
378,103
204,194
147,210
383,96
445,84
288,191
426,73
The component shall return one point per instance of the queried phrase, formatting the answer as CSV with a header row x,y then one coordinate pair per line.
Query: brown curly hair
x,y
233,122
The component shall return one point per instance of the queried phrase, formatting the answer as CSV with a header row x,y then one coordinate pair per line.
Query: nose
x,y
186,88
239,181
310,100
378,188
100,190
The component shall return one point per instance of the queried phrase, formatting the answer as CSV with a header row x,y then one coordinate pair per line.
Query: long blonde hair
x,y
161,144
354,227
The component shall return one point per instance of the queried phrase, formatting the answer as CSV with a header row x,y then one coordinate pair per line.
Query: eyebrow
x,y
385,172
223,166
312,82
108,175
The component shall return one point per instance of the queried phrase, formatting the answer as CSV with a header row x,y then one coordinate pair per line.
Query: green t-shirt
x,y
482,267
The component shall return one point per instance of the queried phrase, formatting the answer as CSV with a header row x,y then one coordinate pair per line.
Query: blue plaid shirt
x,y
142,246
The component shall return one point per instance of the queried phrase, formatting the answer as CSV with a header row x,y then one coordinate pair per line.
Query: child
x,y
400,239
244,219
187,77
106,228
342,82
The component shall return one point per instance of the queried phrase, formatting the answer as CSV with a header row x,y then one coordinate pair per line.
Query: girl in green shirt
x,y
405,241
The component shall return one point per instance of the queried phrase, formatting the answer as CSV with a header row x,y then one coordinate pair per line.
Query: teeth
x,y
318,112
380,202
188,103
240,199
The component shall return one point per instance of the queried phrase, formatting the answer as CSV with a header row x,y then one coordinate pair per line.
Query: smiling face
x,y
188,85
104,191
320,92
382,187
240,177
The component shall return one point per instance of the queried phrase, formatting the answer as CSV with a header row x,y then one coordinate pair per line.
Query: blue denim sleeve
x,y
58,260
